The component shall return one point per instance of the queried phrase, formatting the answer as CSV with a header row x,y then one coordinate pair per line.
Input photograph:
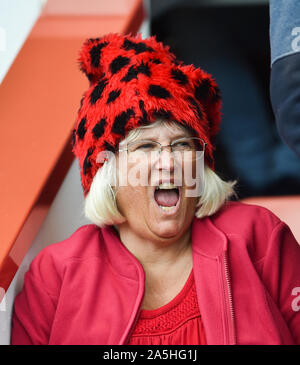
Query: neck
x,y
167,265
157,256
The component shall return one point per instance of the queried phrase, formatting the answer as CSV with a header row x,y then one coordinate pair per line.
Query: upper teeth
x,y
166,186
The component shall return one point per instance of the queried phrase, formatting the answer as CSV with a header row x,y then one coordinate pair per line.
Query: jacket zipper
x,y
231,308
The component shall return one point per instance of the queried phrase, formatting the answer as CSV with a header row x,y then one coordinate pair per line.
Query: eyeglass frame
x,y
168,145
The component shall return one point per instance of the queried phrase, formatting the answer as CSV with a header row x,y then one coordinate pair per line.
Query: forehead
x,y
164,130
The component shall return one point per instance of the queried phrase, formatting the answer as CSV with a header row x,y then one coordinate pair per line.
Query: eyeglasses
x,y
180,145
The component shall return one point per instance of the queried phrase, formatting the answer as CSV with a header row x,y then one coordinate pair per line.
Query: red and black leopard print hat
x,y
134,81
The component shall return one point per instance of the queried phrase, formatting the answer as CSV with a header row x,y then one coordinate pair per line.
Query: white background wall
x,y
17,17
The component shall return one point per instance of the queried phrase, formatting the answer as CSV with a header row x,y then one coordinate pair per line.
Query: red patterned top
x,y
176,323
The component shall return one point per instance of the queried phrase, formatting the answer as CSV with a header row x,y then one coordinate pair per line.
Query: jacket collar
x,y
120,258
207,239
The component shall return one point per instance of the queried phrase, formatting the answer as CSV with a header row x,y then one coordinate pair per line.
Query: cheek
x,y
130,200
133,173
192,202
193,177
132,191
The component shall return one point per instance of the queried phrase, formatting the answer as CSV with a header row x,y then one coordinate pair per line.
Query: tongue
x,y
167,198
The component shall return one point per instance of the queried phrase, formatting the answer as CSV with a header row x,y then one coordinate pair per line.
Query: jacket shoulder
x,y
79,244
252,225
50,263
243,215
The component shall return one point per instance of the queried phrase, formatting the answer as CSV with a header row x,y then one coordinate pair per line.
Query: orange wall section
x,y
39,98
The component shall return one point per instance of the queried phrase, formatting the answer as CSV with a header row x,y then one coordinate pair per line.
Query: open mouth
x,y
167,196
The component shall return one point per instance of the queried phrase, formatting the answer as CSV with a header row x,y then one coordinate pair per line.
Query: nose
x,y
166,159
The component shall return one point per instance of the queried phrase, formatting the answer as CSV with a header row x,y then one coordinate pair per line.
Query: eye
x,y
183,145
143,146
146,145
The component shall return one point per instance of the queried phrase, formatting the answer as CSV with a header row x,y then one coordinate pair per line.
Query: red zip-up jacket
x,y
88,288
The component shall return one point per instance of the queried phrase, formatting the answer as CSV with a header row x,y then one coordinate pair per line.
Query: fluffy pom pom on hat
x,y
133,82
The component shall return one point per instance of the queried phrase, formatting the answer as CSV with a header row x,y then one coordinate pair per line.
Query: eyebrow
x,y
155,139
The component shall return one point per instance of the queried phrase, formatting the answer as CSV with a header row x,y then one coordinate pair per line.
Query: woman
x,y
168,260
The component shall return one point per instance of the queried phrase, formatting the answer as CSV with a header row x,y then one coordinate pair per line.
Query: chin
x,y
167,229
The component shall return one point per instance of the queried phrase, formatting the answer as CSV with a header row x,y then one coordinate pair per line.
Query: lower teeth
x,y
166,208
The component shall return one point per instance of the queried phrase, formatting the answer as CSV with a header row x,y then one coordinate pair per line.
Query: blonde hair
x,y
100,204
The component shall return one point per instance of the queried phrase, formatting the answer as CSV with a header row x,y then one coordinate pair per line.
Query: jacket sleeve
x,y
281,273
35,305
285,69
